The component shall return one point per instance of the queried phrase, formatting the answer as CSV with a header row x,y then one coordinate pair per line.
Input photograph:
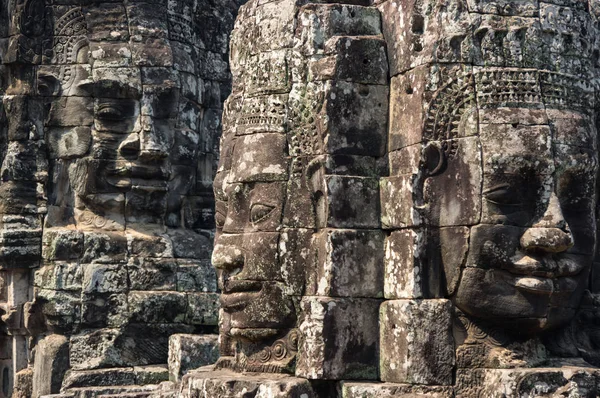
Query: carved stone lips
x,y
546,266
126,176
238,294
545,275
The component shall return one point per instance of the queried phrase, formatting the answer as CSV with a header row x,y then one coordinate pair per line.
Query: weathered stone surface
x,y
339,338
188,352
566,380
416,342
349,264
391,390
229,384
51,364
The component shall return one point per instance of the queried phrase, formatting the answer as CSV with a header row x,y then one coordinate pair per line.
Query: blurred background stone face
x,y
109,130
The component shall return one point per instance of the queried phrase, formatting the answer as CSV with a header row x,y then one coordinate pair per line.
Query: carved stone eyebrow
x,y
108,88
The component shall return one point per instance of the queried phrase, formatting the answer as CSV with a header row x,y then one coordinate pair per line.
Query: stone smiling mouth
x,y
136,175
545,275
237,294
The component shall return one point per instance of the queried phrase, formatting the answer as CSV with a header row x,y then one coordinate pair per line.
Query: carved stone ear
x,y
48,84
315,178
433,160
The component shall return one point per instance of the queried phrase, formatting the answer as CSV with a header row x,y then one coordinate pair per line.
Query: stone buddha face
x,y
124,125
261,284
527,185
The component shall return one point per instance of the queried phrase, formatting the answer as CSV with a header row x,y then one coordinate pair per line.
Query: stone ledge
x,y
204,383
351,389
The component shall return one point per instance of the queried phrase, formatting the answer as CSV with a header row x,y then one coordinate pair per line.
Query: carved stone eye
x,y
115,110
258,212
112,113
501,195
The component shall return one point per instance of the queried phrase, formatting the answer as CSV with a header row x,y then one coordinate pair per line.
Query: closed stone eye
x,y
108,112
501,195
259,212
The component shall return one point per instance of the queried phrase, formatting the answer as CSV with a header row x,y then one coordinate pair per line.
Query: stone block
x,y
354,119
196,276
51,364
203,309
133,345
23,384
340,339
320,22
419,32
71,112
107,21
353,59
157,307
297,257
104,278
407,274
566,380
69,143
152,273
351,202
59,276
104,248
349,264
117,82
352,389
267,151
453,197
99,377
101,310
152,374
190,244
405,161
416,342
109,54
147,20
151,51
188,352
397,202
62,309
228,384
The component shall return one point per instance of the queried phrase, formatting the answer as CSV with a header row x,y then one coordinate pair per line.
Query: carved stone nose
x,y
227,257
130,147
152,142
549,240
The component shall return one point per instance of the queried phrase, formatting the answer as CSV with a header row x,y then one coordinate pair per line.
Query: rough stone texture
x,y
188,352
442,155
339,339
416,342
227,384
109,130
51,364
563,381
391,390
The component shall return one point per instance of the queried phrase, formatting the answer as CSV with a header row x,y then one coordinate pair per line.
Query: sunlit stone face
x,y
529,259
257,300
517,192
124,129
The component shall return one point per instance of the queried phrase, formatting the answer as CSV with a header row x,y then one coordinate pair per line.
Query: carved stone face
x,y
131,168
257,296
125,122
529,257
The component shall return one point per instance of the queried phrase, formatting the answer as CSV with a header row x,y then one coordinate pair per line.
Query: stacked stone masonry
x,y
405,198
110,118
